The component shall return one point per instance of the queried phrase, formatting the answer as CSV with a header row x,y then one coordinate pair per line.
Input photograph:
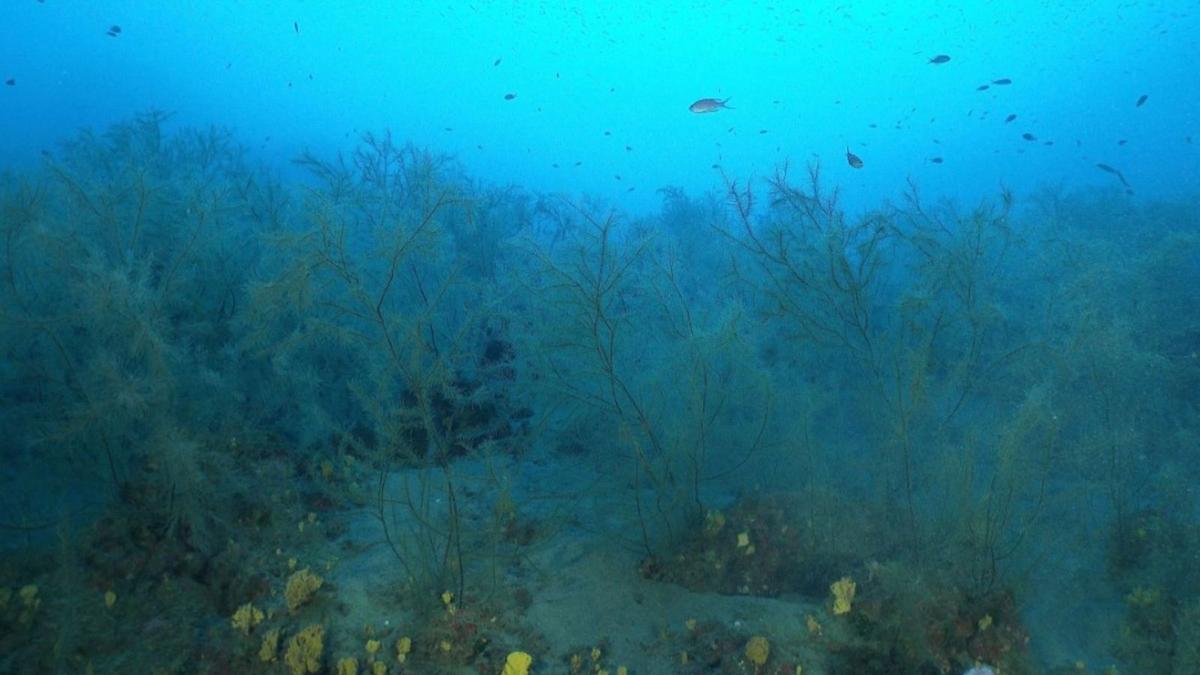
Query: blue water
x,y
590,81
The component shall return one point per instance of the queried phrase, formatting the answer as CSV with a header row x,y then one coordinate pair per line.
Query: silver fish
x,y
707,105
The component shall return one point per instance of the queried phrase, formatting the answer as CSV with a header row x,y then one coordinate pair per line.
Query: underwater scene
x,y
646,338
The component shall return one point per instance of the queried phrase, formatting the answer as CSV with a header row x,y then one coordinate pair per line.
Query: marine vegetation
x,y
385,418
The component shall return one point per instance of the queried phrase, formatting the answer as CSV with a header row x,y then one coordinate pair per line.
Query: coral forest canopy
x,y
394,419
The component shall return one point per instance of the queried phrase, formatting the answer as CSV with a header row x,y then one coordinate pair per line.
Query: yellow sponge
x,y
517,663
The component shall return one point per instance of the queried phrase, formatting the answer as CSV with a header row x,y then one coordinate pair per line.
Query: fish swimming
x,y
853,160
707,105
940,58
1108,169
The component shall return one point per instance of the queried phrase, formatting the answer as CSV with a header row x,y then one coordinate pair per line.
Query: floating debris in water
x,y
115,30
509,97
707,105
940,58
1141,100
853,160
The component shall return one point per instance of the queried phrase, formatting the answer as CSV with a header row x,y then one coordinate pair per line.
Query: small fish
x,y
982,87
114,31
936,160
762,131
628,149
1141,100
296,26
578,163
1115,172
607,132
12,82
1028,136
707,105
509,97
1122,142
940,58
495,63
1002,81
853,160
1010,118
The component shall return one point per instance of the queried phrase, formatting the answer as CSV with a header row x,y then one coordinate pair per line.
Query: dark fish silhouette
x,y
296,26
1010,118
936,160
853,160
1002,81
940,58
1141,100
982,87
12,82
1028,136
114,31
707,105
1118,174
509,97
496,62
